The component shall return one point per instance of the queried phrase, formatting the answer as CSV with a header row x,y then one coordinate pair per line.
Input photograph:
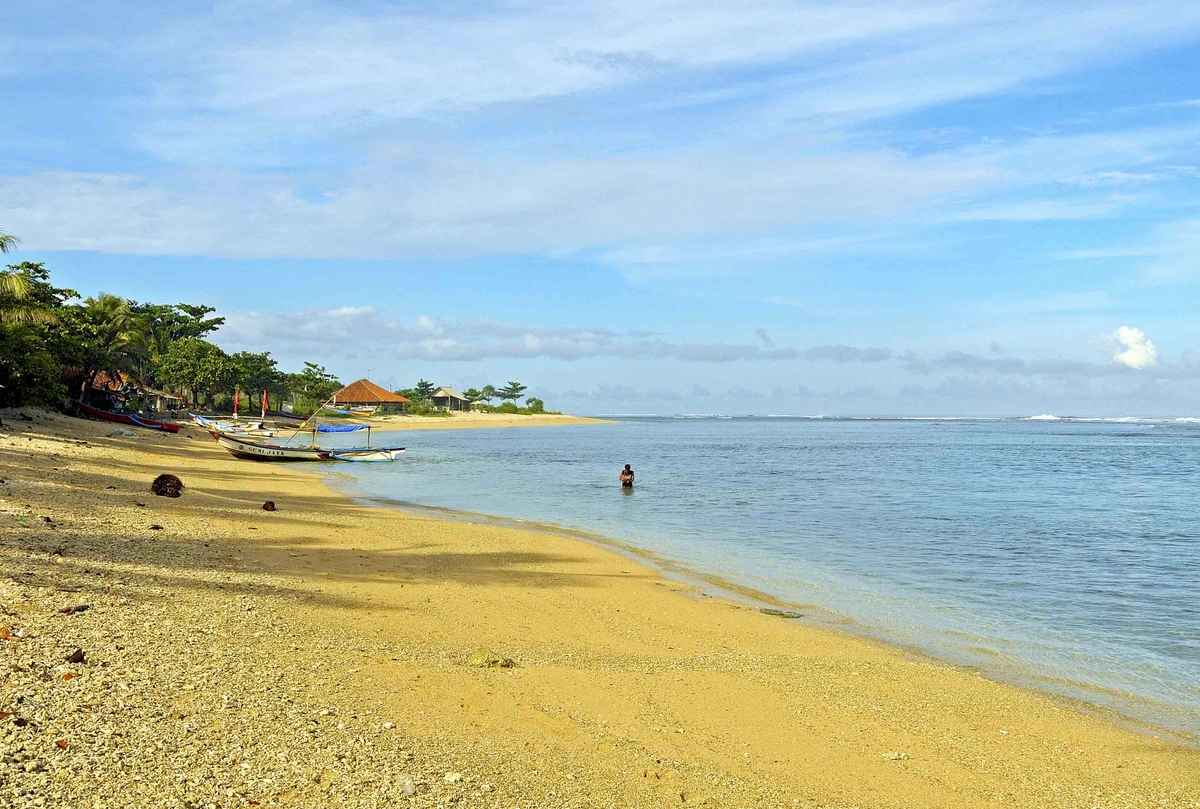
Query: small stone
x,y
453,777
76,656
407,785
896,756
269,505
156,527
389,725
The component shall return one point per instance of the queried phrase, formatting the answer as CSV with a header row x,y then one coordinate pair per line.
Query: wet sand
x,y
318,655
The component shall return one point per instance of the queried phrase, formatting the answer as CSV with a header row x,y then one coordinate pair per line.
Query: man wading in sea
x,y
627,477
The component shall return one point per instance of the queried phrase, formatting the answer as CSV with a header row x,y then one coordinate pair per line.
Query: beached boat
x,y
361,411
242,446
336,410
128,418
237,428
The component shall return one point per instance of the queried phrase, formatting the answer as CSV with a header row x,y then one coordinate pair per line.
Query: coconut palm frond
x,y
15,284
12,314
8,242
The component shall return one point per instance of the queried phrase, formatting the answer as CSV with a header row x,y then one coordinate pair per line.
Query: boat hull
x,y
131,420
260,451
382,455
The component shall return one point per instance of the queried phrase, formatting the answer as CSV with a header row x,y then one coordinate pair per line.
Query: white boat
x,y
236,427
242,447
366,455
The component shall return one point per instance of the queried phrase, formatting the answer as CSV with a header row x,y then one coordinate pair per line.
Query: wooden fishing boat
x,y
128,418
237,428
242,446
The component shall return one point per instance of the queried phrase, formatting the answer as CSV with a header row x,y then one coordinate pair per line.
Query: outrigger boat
x,y
128,418
237,428
241,446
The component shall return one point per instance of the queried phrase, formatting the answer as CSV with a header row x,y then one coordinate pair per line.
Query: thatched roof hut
x,y
366,392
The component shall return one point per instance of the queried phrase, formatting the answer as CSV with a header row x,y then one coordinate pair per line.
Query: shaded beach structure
x,y
364,398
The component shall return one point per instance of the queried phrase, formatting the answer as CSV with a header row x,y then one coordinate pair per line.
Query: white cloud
x,y
475,339
1138,352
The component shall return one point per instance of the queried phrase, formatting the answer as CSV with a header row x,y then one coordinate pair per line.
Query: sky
x,y
923,208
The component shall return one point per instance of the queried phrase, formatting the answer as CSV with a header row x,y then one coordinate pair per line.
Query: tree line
x,y
54,345
480,398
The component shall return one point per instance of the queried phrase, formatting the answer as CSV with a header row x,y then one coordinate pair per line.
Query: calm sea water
x,y
1061,554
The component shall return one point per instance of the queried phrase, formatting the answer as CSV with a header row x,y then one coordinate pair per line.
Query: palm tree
x,y
112,337
14,290
8,242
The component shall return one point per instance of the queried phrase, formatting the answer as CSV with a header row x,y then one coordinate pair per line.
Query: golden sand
x,y
629,689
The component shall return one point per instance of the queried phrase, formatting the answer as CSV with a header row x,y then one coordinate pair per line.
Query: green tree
x,y
33,349
196,367
488,393
17,301
256,373
512,391
473,395
535,405
106,337
166,323
424,390
314,383
8,242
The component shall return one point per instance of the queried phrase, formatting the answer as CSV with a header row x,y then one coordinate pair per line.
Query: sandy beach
x,y
320,655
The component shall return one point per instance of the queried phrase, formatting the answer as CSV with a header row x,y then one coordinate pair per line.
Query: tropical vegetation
x,y
57,348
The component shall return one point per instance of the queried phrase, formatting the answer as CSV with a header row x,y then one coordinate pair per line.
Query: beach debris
x,y
896,756
5,634
780,613
121,432
76,656
269,505
110,487
75,609
407,785
453,777
167,485
156,527
487,659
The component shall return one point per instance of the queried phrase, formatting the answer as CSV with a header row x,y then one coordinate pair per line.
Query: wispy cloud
x,y
435,340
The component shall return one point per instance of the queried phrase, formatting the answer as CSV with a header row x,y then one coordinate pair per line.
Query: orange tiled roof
x,y
364,391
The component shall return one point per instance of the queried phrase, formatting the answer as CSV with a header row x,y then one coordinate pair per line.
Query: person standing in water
x,y
627,477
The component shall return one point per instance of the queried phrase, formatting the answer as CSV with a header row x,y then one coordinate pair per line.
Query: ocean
x,y
1058,554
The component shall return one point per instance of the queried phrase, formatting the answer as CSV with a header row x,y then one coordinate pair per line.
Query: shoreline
x,y
317,654
706,584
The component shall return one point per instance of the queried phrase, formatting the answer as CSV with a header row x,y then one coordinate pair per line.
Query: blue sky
x,y
873,207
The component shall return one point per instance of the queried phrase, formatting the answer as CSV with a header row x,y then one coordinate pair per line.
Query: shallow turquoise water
x,y
1060,554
